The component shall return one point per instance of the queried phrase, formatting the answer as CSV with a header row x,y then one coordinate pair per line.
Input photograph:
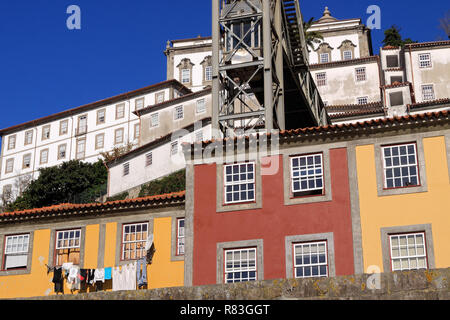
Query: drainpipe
x,y
413,93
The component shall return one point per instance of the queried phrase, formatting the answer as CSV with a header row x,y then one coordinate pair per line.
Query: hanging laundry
x,y
99,275
118,279
130,276
58,280
83,275
108,274
73,281
91,275
141,272
66,266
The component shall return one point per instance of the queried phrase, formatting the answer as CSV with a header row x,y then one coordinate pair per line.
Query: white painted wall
x,y
163,164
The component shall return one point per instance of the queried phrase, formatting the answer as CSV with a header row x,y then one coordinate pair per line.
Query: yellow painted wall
x,y
402,210
162,273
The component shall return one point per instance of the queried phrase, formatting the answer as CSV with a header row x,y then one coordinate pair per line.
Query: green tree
x,y
392,37
71,182
311,37
174,182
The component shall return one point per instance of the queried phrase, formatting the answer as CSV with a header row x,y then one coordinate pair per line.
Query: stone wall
x,y
419,285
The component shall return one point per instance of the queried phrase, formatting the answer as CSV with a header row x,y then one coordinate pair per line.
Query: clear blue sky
x,y
46,68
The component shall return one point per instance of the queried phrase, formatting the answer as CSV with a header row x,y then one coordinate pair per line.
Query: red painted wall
x,y
272,223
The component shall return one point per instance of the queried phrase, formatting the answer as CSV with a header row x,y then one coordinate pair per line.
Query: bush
x,y
172,183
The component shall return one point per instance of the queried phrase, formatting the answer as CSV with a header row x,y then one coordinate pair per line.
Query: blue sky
x,y
46,68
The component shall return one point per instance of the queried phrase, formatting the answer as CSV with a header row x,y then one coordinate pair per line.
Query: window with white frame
x,y
428,92
118,136
62,151
425,60
9,165
16,252
67,249
11,142
99,141
362,100
310,259
321,79
239,182
45,132
139,104
26,161
408,251
199,136
148,159
324,57
81,148
208,73
180,237
240,265
348,55
360,74
63,127
44,156
400,166
201,106
137,131
307,175
134,237
178,113
28,137
185,76
154,120
126,169
174,148
120,111
159,97
101,114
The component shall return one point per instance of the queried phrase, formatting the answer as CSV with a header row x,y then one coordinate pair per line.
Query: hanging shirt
x,y
108,273
99,275
130,276
73,280
118,279
58,280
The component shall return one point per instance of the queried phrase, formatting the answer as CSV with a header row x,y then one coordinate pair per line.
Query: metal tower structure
x,y
261,77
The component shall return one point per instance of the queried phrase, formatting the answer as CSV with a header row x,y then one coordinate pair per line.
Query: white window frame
x,y
137,131
63,127
413,260
25,158
137,102
101,119
9,165
178,113
361,74
12,142
45,133
346,55
28,137
425,60
201,106
185,76
126,169
321,79
297,177
120,111
149,159
230,186
139,252
73,241
154,120
42,159
116,136
174,148
98,140
362,100
180,236
81,152
310,265
59,151
399,167
428,92
19,246
208,73
247,268
160,97
323,55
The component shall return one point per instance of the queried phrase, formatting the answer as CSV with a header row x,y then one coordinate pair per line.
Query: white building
x,y
79,133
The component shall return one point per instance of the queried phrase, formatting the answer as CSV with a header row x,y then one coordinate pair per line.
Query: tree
x,y
392,37
117,152
174,182
71,182
445,23
311,37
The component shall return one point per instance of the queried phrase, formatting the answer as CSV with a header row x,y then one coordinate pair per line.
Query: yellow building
x,y
403,178
95,236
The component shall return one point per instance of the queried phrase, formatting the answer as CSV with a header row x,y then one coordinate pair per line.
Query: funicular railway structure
x,y
259,53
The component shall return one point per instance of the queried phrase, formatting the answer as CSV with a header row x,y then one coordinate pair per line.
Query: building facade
x,y
99,236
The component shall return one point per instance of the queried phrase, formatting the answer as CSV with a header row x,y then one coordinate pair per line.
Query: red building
x,y
295,221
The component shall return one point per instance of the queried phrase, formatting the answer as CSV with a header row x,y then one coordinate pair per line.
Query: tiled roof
x,y
344,111
192,95
343,62
396,84
94,208
428,44
422,118
429,103
390,48
94,105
